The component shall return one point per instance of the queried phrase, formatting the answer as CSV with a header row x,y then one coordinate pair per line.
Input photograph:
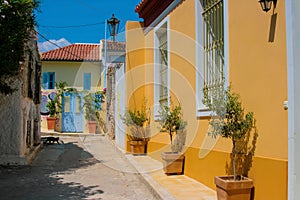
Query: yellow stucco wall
x,y
257,71
72,73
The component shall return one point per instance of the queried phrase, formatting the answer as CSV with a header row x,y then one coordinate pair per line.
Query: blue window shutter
x,y
51,80
45,83
87,81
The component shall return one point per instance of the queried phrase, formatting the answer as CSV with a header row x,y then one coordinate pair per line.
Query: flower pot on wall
x,y
92,126
51,123
138,147
228,189
173,162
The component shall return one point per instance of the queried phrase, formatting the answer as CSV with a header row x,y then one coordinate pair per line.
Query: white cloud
x,y
48,45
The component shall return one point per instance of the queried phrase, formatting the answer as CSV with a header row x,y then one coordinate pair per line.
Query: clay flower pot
x,y
173,162
138,147
51,123
230,189
92,126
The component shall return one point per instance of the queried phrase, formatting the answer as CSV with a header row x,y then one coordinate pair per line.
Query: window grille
x,y
213,44
163,68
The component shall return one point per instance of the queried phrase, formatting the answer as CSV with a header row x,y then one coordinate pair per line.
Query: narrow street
x,y
88,167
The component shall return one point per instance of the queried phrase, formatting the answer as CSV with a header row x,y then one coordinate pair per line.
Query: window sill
x,y
204,113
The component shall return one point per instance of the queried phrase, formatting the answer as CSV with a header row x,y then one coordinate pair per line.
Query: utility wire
x,y
72,26
59,46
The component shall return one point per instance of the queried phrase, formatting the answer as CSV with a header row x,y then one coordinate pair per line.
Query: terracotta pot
x,y
173,162
228,189
51,123
92,126
138,147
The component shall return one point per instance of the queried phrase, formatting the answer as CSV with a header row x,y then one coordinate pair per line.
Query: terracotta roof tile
x,y
74,52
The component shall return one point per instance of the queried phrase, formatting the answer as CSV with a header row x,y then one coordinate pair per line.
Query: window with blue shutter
x,y
45,81
87,81
48,80
51,80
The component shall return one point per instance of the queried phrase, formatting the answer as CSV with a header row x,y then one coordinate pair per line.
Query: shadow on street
x,y
42,180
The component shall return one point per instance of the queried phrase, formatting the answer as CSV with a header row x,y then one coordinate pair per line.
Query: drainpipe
x,y
290,28
105,55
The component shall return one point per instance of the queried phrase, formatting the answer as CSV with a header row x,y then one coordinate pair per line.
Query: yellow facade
x,y
73,73
256,50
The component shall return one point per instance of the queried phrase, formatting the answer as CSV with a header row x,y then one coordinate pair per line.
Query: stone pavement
x,y
178,187
84,167
163,186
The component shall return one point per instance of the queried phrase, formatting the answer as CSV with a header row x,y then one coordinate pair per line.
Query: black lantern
x,y
113,26
266,4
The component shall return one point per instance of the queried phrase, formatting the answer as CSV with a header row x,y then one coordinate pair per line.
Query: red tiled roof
x,y
140,5
149,10
74,52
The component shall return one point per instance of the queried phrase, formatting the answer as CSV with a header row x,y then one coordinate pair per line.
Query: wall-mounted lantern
x,y
113,26
267,4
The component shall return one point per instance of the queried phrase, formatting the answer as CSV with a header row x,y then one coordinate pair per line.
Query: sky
x,y
86,18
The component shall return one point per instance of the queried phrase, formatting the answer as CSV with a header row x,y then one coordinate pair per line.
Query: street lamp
x,y
267,4
113,26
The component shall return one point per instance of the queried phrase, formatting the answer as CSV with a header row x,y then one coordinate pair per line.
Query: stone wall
x,y
10,124
20,112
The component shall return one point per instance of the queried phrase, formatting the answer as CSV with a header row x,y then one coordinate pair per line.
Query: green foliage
x,y
91,107
136,117
138,121
229,121
171,120
228,118
17,21
54,105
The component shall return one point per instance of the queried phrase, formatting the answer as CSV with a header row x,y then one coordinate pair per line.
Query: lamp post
x,y
113,26
267,4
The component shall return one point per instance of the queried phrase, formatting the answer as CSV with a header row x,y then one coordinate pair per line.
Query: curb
x,y
154,186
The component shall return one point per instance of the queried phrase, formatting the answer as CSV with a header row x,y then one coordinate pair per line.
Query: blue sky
x,y
62,13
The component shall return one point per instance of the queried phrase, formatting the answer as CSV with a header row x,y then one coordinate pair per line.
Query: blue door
x,y
72,112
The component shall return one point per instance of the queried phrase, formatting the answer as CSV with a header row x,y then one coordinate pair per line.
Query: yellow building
x,y
80,66
182,45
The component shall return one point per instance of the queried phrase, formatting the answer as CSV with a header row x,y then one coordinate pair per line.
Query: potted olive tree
x,y
138,122
91,106
229,121
171,121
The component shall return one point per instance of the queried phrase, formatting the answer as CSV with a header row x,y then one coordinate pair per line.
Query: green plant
x,y
91,106
171,120
14,15
54,105
138,121
229,121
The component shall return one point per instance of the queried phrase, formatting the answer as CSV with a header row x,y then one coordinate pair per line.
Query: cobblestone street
x,y
88,167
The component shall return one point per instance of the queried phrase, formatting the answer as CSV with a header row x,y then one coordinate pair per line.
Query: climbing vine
x,y
17,21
